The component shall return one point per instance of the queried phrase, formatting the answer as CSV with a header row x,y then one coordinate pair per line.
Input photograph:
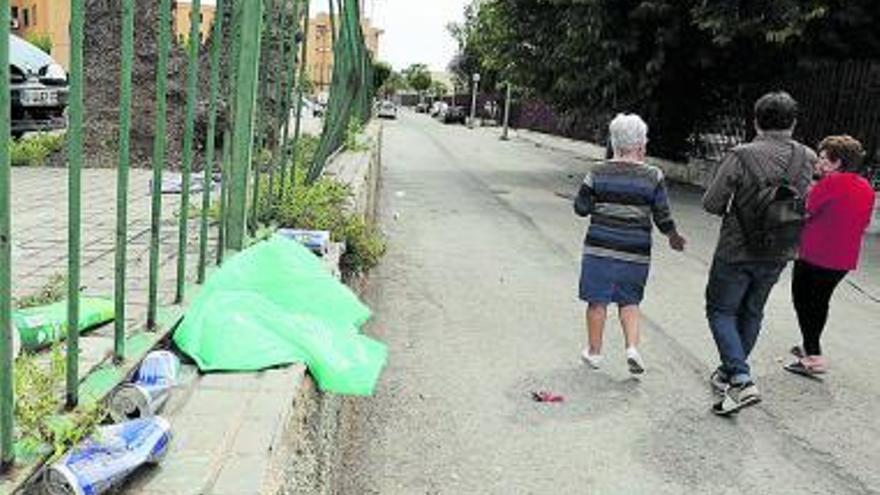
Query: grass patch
x,y
34,150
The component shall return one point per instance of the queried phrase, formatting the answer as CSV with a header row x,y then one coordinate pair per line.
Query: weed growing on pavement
x,y
353,134
39,384
34,150
54,291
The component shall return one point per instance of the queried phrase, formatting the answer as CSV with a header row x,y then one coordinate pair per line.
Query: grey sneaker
x,y
719,382
737,397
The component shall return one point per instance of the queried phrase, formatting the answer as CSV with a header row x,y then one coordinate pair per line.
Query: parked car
x,y
387,110
422,108
454,115
438,108
38,89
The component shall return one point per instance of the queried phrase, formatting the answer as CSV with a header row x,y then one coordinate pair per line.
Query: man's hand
x,y
677,242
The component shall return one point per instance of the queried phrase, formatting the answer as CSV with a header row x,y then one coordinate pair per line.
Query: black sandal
x,y
799,368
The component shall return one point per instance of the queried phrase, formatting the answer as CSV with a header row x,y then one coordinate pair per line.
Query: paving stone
x,y
212,402
241,474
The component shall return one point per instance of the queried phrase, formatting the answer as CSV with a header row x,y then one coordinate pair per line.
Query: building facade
x,y
44,18
183,17
51,18
319,55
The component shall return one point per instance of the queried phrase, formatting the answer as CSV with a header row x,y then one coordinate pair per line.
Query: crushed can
x,y
150,391
318,241
106,458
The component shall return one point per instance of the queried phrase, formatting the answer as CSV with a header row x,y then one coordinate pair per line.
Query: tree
x,y
381,72
418,77
439,89
680,63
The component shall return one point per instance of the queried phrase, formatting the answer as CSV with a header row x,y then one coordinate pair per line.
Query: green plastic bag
x,y
276,304
42,326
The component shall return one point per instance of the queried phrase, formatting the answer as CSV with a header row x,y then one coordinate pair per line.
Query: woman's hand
x,y
677,242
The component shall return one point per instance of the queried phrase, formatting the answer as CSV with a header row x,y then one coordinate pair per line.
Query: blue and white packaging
x,y
318,241
106,458
150,391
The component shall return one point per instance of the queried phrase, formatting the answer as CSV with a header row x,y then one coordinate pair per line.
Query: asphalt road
x,y
477,302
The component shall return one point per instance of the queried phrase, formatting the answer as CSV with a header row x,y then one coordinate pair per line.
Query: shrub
x,y
322,205
41,41
33,151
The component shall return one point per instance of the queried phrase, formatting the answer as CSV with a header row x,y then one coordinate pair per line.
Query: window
x,y
14,13
27,21
34,14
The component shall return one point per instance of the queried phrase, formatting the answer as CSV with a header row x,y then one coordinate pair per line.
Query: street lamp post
x,y
504,134
476,80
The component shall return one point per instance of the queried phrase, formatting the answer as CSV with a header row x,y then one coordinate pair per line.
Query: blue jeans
x,y
735,299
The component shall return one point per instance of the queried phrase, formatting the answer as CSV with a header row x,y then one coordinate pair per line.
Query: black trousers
x,y
811,289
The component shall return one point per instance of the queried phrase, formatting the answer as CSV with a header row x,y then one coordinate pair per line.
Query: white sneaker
x,y
594,360
634,361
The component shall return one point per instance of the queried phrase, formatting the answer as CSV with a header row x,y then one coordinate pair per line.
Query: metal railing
x,y
351,94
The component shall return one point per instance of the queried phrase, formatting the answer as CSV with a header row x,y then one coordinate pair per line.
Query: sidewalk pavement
x,y
39,243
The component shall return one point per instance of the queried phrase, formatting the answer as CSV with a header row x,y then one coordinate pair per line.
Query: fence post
x,y
159,156
122,177
243,132
224,193
280,86
195,41
303,73
505,134
74,191
289,78
7,394
216,41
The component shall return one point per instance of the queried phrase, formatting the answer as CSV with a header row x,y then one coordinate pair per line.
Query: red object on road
x,y
543,396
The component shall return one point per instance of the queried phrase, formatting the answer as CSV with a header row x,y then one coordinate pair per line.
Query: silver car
x,y
387,110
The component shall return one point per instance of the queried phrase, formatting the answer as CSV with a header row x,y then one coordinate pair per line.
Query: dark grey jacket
x,y
771,154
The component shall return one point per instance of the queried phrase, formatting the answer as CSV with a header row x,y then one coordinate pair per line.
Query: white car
x,y
387,110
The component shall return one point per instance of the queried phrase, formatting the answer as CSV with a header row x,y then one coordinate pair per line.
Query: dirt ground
x,y
102,54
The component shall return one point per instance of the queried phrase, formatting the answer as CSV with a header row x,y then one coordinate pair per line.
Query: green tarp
x,y
276,304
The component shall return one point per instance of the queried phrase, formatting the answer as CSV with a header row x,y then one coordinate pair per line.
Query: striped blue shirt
x,y
621,199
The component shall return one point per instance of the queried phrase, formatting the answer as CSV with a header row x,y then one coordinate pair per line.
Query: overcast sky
x,y
415,30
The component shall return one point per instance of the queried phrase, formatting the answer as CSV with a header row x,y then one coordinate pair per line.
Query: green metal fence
x,y
350,101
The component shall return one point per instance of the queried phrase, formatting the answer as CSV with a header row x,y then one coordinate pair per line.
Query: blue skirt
x,y
607,280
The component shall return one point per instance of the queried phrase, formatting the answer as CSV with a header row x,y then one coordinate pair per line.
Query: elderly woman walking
x,y
839,209
621,197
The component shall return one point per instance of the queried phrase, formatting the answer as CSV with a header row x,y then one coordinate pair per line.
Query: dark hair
x,y
776,111
846,149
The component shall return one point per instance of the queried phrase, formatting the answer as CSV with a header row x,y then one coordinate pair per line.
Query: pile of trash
x,y
137,438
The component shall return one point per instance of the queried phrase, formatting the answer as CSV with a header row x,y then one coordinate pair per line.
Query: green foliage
x,y
39,386
381,72
41,41
39,381
418,77
322,205
395,83
678,63
439,89
34,150
352,135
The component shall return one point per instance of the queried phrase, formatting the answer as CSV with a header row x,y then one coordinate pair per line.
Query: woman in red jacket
x,y
839,209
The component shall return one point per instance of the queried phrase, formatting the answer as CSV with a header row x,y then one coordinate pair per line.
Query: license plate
x,y
39,97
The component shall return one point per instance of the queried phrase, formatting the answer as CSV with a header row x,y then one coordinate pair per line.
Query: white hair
x,y
628,132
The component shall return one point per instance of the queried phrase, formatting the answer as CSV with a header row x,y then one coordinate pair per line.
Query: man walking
x,y
758,190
